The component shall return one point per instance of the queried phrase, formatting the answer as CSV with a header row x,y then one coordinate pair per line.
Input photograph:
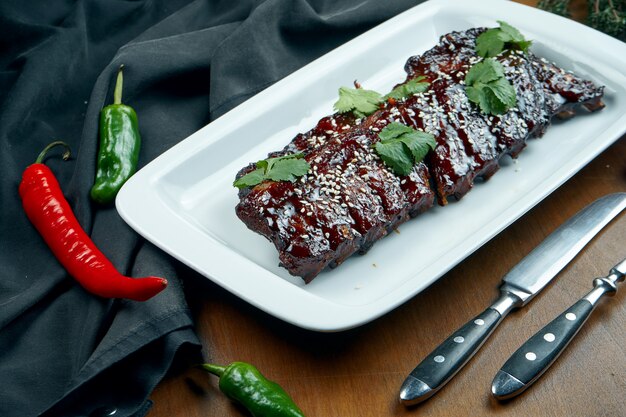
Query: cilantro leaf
x,y
484,72
357,100
489,102
504,91
264,164
287,169
419,143
494,41
394,155
252,178
511,34
283,168
414,86
487,86
489,43
394,130
401,147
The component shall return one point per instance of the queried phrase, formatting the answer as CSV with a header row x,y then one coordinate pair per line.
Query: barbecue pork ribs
x,y
350,198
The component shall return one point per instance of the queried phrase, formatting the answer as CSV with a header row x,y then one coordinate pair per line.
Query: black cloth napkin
x,y
63,351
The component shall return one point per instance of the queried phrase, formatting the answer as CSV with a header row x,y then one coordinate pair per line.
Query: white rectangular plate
x,y
184,201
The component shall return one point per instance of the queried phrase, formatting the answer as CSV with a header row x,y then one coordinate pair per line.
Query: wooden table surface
x,y
359,372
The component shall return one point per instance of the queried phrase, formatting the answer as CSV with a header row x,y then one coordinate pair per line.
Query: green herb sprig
x,y
401,147
359,101
283,168
486,85
494,41
414,86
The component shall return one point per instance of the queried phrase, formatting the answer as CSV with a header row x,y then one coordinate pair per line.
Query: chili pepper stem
x,y
214,369
66,154
117,93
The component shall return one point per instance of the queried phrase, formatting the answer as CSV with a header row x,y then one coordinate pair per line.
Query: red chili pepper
x,y
52,216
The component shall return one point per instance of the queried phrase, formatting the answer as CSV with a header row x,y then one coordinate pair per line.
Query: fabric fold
x,y
63,351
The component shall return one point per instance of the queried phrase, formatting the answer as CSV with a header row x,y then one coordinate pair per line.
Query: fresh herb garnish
x,y
401,147
283,168
486,85
493,41
358,100
414,86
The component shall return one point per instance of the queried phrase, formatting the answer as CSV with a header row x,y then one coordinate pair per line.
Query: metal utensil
x,y
536,355
519,286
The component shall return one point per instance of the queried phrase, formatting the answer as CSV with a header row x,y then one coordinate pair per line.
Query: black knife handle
x,y
536,355
447,359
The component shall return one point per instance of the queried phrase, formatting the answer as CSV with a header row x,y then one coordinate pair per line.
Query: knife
x,y
535,356
519,286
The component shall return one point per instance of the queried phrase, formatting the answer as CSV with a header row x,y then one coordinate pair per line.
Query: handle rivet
x,y
531,356
570,316
479,322
439,359
459,339
549,337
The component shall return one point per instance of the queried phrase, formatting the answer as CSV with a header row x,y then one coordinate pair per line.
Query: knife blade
x,y
520,285
536,355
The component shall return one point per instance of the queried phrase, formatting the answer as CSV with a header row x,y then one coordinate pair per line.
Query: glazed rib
x,y
350,199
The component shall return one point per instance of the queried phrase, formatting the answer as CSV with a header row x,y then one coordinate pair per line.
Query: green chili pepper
x,y
119,147
244,384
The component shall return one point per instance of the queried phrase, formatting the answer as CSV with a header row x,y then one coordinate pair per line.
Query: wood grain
x,y
359,372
